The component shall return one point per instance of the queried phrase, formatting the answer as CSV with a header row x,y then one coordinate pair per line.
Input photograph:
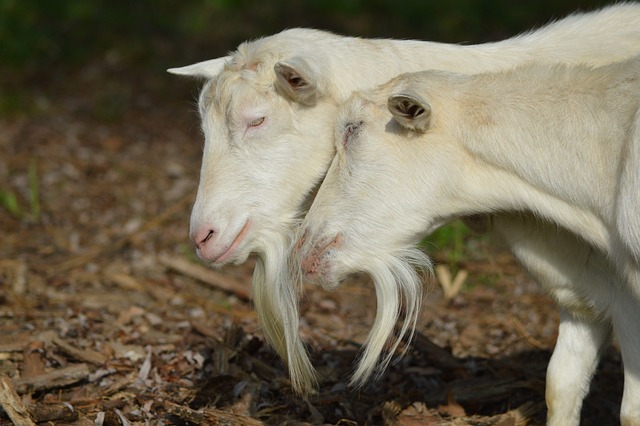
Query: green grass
x,y
450,241
10,201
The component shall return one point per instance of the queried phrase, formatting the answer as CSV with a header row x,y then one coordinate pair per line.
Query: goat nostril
x,y
199,240
208,237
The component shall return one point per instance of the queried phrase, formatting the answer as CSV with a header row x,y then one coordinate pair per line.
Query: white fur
x,y
257,180
560,142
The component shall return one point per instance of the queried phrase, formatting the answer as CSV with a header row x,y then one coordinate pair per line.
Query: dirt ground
x,y
107,318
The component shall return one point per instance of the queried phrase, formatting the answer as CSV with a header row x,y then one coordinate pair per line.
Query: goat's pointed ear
x,y
410,110
297,80
207,69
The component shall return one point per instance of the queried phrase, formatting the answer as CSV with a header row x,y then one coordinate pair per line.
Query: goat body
x,y
559,143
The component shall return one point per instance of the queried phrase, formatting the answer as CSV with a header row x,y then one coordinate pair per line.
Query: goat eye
x,y
256,122
349,130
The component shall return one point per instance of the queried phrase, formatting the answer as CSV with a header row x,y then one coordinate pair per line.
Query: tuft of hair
x,y
276,296
399,292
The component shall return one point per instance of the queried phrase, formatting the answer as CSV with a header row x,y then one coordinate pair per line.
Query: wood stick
x,y
86,355
212,278
210,416
450,287
527,336
12,404
58,412
53,379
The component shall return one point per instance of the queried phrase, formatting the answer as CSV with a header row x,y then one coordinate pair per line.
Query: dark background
x,y
46,42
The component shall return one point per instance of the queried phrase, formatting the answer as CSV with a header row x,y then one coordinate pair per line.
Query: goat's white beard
x,y
277,288
276,295
398,293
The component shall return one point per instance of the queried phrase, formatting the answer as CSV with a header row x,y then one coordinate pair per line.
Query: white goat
x,y
268,112
562,143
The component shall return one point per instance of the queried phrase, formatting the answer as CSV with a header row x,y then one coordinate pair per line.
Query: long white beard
x,y
399,294
277,287
276,295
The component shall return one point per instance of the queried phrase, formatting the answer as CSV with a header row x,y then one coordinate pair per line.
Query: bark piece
x,y
86,355
33,363
58,412
53,379
212,278
210,416
12,404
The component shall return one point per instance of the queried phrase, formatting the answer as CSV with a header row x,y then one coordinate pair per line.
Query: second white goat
x,y
561,143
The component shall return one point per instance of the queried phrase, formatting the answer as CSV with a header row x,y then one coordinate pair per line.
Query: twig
x,y
210,416
12,404
450,287
527,336
207,276
86,355
53,379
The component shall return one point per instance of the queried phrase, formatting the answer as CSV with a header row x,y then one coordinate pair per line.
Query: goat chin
x,y
276,296
399,291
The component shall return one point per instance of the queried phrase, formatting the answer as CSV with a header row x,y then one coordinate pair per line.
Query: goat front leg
x,y
574,360
625,314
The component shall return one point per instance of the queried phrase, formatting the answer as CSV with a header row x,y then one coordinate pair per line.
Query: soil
x,y
107,317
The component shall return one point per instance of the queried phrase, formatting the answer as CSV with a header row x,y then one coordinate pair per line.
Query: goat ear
x,y
296,79
410,111
207,69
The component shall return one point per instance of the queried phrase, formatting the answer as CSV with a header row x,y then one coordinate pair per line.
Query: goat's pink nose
x,y
202,236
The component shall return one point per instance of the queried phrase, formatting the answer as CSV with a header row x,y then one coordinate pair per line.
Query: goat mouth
x,y
224,256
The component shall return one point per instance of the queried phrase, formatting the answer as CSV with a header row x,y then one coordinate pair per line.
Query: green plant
x,y
9,202
9,199
449,241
